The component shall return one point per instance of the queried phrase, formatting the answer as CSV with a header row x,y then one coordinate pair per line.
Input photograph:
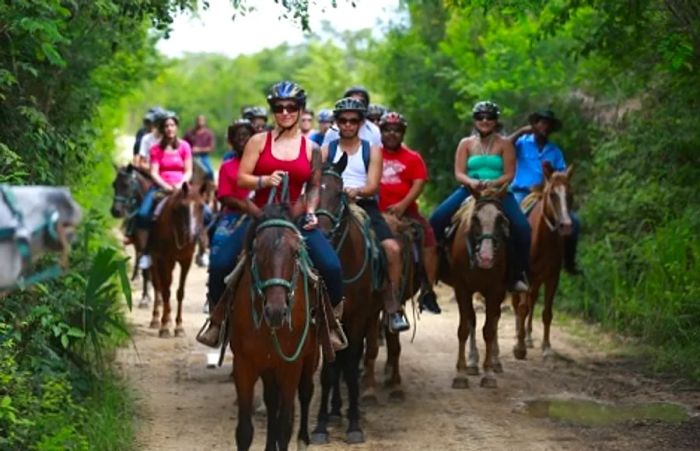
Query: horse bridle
x,y
477,240
21,236
552,225
336,217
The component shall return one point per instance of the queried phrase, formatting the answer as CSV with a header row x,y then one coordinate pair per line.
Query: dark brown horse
x,y
172,240
130,186
270,328
551,222
478,263
362,305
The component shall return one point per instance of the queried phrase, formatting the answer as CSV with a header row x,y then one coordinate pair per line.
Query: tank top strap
x,y
303,149
268,144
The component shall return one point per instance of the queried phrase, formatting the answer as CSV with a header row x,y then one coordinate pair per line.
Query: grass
x,y
111,412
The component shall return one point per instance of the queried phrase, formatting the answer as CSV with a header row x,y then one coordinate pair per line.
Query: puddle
x,y
592,413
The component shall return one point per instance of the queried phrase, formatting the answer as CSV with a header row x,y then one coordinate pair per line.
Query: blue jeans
x,y
203,160
520,231
326,261
226,245
145,211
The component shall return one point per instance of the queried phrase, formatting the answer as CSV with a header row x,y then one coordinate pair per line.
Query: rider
x,y
145,128
361,184
201,139
171,167
375,113
368,131
257,116
486,160
237,137
142,158
532,148
267,158
307,123
325,120
404,176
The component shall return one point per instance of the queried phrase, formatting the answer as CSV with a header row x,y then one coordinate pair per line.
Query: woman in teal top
x,y
485,160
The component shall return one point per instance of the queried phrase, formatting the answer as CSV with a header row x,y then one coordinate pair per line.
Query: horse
x,y
172,239
350,237
551,222
33,220
200,178
130,185
478,263
270,328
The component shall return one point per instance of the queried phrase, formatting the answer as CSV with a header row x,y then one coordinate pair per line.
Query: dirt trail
x,y
185,406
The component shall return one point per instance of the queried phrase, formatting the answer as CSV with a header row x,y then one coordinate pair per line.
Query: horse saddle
x,y
529,202
463,214
377,257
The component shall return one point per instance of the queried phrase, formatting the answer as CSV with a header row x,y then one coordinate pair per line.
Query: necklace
x,y
481,149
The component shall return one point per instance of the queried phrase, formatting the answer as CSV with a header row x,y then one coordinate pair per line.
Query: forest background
x,y
623,75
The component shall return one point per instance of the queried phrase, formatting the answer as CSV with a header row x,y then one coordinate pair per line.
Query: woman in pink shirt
x,y
171,166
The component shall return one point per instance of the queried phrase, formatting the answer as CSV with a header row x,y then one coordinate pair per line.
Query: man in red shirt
x,y
403,177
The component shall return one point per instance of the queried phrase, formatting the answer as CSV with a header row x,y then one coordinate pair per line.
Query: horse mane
x,y
272,211
465,213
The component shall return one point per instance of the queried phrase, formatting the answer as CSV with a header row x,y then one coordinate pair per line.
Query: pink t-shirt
x,y
171,164
228,182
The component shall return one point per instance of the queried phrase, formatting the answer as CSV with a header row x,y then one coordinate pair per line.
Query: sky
x,y
214,31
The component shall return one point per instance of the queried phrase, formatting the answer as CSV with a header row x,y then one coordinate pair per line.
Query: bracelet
x,y
259,182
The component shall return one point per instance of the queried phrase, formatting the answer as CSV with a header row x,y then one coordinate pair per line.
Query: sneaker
x,y
520,286
398,323
202,260
145,261
428,301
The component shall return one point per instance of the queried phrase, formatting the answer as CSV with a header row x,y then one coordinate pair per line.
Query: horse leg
x,y
532,296
306,391
272,405
369,382
319,435
288,385
463,331
393,351
184,269
351,374
496,359
550,289
166,278
490,333
157,294
519,301
145,297
244,378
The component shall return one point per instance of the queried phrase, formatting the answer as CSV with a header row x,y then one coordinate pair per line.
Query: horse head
x,y
187,209
488,228
557,198
129,187
275,248
333,203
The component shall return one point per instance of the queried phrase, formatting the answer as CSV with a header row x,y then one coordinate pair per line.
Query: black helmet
x,y
164,115
376,111
258,111
486,107
393,118
247,112
325,116
287,90
240,123
349,104
357,90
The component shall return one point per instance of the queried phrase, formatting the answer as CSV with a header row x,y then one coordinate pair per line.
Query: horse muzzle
x,y
275,316
565,228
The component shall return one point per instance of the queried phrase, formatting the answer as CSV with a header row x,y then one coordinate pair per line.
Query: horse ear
x,y
340,166
569,171
129,167
186,189
203,188
547,169
476,194
297,209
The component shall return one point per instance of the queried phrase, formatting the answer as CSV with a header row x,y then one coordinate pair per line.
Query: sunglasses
x,y
351,121
289,108
484,117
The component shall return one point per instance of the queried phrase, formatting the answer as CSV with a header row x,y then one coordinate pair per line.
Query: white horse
x,y
33,221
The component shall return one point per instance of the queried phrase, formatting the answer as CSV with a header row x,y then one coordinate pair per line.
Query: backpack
x,y
333,149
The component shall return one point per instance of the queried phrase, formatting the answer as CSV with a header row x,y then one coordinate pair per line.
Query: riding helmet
x,y
287,90
486,107
376,111
349,104
358,90
325,115
393,118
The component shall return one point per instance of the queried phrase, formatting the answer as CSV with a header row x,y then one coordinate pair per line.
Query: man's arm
x,y
520,132
400,207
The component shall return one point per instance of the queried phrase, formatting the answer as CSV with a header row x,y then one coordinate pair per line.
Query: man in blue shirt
x,y
532,148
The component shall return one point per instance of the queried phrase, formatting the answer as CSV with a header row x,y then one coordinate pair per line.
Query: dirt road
x,y
186,406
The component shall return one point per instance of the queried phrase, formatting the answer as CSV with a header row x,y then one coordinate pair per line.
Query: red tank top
x,y
298,170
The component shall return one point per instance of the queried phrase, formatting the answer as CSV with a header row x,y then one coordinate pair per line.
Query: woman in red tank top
x,y
284,150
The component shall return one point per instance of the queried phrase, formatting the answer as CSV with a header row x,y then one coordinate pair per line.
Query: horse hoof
x,y
319,438
489,382
155,324
164,333
548,354
369,399
397,395
460,383
354,437
530,343
179,331
472,370
498,367
519,353
144,304
302,445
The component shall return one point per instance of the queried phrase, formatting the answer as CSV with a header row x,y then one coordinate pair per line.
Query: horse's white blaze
x,y
193,222
563,207
487,218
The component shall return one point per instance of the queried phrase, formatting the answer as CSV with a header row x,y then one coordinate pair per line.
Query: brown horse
x,y
478,263
551,223
361,310
130,185
172,240
270,327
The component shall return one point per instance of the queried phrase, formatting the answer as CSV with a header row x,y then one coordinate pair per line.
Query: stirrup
x,y
339,333
205,328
